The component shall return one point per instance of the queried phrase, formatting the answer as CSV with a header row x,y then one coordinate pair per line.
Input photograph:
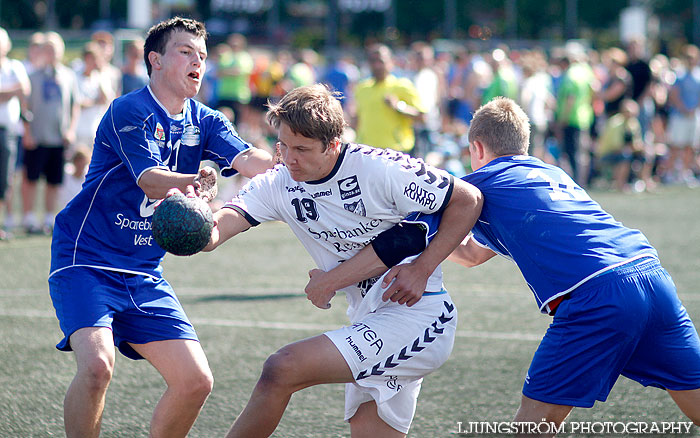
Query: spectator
x,y
622,145
427,83
105,41
662,79
303,71
95,92
54,103
618,85
640,72
504,81
683,130
459,97
133,72
538,102
340,75
266,76
35,59
234,69
14,88
386,106
574,112
74,173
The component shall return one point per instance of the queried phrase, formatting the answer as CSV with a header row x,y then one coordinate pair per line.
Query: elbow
x,y
253,162
149,184
465,258
461,259
151,191
470,262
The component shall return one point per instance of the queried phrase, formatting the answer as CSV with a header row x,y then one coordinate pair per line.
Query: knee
x,y
278,370
97,373
198,386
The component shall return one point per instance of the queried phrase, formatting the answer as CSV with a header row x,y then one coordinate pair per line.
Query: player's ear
x,y
154,59
479,149
334,145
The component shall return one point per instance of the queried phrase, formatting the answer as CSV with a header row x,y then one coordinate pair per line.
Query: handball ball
x,y
182,225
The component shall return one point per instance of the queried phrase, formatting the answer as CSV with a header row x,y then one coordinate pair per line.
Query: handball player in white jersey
x,y
337,198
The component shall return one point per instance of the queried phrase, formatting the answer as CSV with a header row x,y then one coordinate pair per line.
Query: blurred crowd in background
x,y
620,118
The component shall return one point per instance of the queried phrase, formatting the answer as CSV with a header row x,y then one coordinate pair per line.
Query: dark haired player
x,y
106,280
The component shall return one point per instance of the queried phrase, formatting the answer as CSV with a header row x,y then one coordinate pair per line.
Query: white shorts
x,y
391,350
683,130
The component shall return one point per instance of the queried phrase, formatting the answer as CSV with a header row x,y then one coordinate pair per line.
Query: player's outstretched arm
x,y
458,218
470,254
253,162
227,223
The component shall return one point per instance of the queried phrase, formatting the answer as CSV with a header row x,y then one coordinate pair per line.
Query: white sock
x,y
49,220
9,221
29,220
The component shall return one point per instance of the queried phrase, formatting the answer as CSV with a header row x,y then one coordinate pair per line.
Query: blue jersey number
x,y
566,190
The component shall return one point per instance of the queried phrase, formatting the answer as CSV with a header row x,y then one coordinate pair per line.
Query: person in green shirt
x,y
504,82
574,112
234,69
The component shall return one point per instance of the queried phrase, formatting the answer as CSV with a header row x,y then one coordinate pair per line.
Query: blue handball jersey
x,y
531,212
108,223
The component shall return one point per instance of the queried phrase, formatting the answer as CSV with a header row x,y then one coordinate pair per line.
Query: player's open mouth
x,y
194,75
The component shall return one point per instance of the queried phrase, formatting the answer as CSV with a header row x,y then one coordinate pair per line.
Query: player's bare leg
x,y
85,398
689,402
536,411
366,423
189,383
294,367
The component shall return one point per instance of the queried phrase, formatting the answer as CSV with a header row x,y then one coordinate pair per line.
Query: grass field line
x,y
278,325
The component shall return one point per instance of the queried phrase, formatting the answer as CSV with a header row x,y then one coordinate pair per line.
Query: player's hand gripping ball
x,y
182,225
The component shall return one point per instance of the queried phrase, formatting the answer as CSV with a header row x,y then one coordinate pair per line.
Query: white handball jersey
x,y
367,192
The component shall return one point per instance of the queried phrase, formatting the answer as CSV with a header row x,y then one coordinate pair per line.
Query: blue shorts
x,y
138,309
627,321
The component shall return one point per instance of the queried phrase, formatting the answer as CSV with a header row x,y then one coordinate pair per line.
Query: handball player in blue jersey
x,y
106,281
616,311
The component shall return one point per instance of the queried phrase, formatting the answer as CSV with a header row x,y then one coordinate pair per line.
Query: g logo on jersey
x,y
349,187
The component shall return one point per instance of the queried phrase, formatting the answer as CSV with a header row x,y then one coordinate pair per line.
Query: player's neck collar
x,y
178,116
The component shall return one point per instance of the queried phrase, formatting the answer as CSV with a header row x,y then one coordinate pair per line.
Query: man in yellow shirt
x,y
386,106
